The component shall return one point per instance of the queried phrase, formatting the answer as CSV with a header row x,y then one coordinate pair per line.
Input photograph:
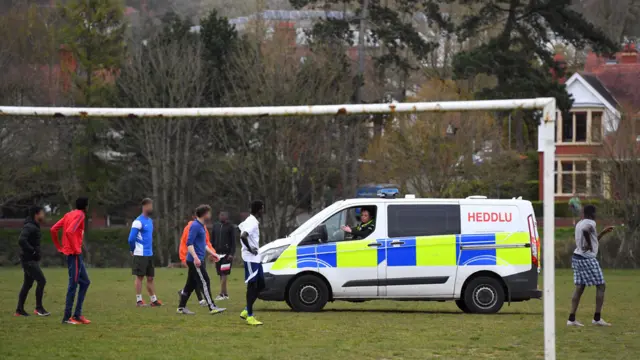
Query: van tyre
x,y
462,306
484,295
308,293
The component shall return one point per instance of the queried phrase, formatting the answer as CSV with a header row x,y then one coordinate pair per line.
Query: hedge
x,y
104,248
562,209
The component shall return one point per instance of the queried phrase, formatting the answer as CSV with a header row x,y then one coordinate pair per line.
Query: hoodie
x,y
30,240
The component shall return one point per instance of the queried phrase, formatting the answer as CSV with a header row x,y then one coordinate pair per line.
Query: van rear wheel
x,y
308,293
484,295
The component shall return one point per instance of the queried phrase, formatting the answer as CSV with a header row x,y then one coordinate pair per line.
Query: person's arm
x,y
193,233
587,239
244,237
75,231
209,246
133,235
604,232
182,253
54,233
364,232
23,241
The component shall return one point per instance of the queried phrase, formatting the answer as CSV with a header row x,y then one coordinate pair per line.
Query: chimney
x,y
561,63
629,54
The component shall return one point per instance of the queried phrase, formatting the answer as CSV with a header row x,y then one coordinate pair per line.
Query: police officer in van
x,y
364,229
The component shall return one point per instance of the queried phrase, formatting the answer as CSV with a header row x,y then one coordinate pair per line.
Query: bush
x,y
103,248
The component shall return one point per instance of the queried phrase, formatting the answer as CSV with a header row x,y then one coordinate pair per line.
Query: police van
x,y
476,251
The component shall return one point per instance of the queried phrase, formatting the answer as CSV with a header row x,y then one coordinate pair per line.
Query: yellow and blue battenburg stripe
x,y
442,250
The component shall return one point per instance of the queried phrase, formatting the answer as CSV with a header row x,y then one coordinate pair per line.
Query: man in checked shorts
x,y
586,268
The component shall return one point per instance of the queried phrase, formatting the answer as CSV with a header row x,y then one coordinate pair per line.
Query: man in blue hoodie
x,y
141,248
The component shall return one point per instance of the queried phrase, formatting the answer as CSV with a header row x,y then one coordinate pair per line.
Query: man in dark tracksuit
x,y
223,237
30,258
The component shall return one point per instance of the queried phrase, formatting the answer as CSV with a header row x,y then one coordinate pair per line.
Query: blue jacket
x,y
141,236
197,238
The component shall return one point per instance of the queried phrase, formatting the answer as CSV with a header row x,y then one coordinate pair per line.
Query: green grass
x,y
372,330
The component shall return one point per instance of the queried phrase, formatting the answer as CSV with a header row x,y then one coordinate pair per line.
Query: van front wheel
x,y
484,295
308,293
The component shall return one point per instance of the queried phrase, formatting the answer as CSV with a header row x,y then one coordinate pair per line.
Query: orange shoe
x,y
156,303
71,321
81,320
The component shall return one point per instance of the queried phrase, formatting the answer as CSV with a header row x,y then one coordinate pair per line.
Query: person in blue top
x,y
197,249
141,248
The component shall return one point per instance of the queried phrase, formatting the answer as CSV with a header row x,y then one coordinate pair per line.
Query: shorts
x,y
586,271
253,272
223,267
143,266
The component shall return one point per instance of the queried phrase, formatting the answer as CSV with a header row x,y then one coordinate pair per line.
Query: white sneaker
x,y
226,297
574,323
203,303
219,298
600,323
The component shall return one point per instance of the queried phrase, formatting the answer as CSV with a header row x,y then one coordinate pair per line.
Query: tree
x,y
519,56
94,32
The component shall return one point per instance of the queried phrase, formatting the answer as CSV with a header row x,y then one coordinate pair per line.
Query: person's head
x,y
365,215
223,216
257,208
82,203
37,214
203,212
147,206
590,212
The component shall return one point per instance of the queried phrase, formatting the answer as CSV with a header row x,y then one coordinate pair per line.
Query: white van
x,y
479,252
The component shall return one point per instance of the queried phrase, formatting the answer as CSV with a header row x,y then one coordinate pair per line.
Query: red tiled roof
x,y
621,79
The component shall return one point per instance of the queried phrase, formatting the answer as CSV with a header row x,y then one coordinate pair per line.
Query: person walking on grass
x,y
586,268
197,277
183,257
30,258
253,275
72,226
141,248
224,241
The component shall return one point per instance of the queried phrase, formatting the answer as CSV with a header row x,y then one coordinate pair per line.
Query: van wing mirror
x,y
316,236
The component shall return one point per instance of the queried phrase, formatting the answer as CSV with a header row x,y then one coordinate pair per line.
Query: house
x,y
607,88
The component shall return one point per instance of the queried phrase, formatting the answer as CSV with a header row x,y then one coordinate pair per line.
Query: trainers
x,y
82,320
141,303
574,323
156,303
600,323
20,313
244,314
185,311
71,321
251,320
41,312
226,297
217,310
203,303
219,297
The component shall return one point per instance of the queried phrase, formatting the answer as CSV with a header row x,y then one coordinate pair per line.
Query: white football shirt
x,y
251,226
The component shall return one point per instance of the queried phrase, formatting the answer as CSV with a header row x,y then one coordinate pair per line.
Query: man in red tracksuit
x,y
72,225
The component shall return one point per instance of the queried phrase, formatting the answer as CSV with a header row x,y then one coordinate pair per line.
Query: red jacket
x,y
72,225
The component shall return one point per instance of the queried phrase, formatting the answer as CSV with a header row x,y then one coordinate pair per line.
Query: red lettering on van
x,y
489,217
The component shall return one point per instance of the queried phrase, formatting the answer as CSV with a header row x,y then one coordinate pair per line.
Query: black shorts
x,y
143,266
223,267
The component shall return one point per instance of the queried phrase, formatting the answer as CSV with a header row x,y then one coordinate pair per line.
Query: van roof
x,y
432,200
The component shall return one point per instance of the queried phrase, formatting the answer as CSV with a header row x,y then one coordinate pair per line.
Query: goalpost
x,y
546,145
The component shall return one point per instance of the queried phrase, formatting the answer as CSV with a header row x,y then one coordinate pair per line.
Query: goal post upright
x,y
546,145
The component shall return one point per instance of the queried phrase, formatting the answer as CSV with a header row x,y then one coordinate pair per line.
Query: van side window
x,y
348,217
423,220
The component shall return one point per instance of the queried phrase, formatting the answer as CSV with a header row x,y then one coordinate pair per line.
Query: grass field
x,y
372,330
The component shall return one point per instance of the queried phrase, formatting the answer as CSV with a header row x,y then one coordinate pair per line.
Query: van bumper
x,y
275,287
523,286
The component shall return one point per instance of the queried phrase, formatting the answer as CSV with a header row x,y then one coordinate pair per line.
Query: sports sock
x,y
154,298
572,317
596,316
139,298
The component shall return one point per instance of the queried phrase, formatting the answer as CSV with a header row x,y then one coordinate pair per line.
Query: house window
x,y
584,126
582,177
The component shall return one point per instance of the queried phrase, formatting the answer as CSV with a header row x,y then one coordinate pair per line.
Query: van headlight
x,y
272,255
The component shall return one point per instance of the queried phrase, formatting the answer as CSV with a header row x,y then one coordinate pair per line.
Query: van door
x,y
421,250
351,264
